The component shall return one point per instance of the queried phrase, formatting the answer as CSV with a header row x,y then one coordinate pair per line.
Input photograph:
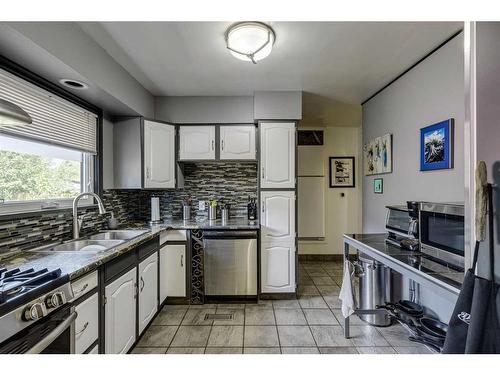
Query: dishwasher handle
x,y
229,234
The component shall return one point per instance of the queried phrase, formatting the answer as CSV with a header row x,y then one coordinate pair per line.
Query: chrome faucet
x,y
77,223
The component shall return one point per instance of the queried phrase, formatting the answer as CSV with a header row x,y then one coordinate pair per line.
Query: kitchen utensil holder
x,y
186,212
224,214
212,213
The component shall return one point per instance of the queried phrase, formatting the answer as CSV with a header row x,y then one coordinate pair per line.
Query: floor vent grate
x,y
218,316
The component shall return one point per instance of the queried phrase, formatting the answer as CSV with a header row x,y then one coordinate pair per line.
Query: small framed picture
x,y
342,172
378,186
436,146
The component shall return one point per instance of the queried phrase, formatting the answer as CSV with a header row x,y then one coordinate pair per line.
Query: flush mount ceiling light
x,y
73,84
12,114
250,41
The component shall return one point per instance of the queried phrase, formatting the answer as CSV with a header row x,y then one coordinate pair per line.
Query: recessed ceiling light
x,y
73,84
250,41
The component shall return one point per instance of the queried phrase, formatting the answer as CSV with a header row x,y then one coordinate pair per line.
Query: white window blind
x,y
55,120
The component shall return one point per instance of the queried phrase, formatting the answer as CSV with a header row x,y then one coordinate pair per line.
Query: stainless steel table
x,y
426,273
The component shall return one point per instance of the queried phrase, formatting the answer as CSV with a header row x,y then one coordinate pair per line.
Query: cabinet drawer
x,y
173,235
84,284
86,324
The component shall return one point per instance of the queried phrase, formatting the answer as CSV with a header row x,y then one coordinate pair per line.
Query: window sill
x,y
39,212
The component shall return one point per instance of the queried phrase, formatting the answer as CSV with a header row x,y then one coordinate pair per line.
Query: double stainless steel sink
x,y
96,243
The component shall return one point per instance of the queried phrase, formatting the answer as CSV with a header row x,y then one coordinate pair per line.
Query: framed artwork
x,y
436,146
378,155
341,171
378,186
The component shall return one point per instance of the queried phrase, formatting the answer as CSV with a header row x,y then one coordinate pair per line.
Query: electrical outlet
x,y
201,205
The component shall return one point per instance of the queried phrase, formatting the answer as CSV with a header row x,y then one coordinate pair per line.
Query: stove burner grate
x,y
16,282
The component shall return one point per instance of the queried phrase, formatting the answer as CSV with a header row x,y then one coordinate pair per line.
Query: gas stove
x,y
29,296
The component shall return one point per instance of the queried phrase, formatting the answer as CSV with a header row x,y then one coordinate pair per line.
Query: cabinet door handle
x,y
213,145
182,260
263,206
83,289
222,145
147,172
143,284
83,329
263,173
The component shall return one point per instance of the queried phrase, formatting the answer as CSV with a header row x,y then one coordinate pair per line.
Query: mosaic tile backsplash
x,y
230,182
40,229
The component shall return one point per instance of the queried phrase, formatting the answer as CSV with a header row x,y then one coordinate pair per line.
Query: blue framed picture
x,y
436,146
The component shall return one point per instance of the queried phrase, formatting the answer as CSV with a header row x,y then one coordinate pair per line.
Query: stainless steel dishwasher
x,y
230,263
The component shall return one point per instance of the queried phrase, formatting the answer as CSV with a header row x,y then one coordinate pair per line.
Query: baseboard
x,y
177,301
324,257
274,296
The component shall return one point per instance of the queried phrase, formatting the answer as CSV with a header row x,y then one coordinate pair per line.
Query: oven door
x,y
442,236
53,334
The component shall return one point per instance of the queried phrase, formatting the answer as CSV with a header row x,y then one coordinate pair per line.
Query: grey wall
x,y
107,154
204,109
431,92
278,105
488,121
71,45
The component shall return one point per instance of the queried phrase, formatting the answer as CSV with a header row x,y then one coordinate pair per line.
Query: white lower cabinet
x,y
172,271
86,323
277,268
278,242
148,290
120,313
94,350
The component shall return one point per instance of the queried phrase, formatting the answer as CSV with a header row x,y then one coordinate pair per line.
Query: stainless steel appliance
x,y
442,232
35,314
374,289
230,263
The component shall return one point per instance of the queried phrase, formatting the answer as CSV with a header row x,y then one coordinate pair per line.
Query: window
x,y
35,175
47,163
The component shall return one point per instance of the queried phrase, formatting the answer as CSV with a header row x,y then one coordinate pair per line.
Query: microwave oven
x,y
442,232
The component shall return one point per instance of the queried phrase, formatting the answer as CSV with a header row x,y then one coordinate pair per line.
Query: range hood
x,y
11,114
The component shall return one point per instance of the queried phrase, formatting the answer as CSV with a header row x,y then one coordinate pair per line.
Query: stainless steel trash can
x,y
374,289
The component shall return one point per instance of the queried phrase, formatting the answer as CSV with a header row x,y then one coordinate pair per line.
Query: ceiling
x,y
340,61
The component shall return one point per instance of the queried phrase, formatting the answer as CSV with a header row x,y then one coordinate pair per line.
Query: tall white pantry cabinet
x,y
277,207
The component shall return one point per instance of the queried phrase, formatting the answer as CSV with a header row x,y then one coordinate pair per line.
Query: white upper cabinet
x,y
159,155
277,153
148,290
197,143
278,216
237,142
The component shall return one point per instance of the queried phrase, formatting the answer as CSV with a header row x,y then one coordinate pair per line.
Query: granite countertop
x,y
231,224
411,259
79,263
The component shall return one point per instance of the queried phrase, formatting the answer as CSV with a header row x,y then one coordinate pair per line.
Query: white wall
x,y
343,214
431,92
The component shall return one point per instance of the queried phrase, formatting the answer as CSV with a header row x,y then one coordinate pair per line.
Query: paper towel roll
x,y
155,209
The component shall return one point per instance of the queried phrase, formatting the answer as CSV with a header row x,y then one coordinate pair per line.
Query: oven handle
x,y
49,339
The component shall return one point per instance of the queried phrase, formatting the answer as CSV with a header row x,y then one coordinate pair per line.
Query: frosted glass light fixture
x,y
250,41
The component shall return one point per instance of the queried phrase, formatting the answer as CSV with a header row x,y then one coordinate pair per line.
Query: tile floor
x,y
311,324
